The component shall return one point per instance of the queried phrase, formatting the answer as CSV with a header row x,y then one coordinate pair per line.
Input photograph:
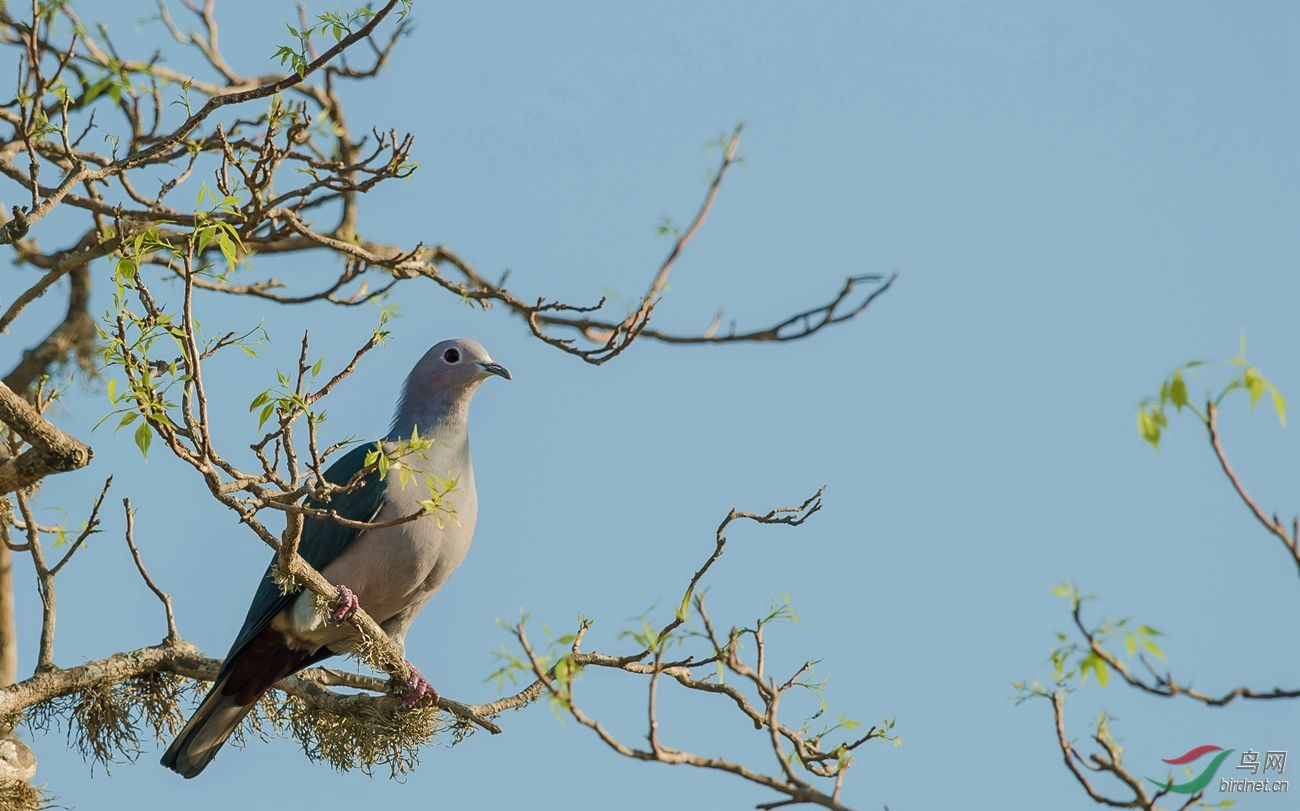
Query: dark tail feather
x,y
209,727
245,678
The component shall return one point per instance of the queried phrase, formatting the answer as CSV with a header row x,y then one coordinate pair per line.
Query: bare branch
x,y
1072,761
92,525
1273,525
173,636
758,703
1165,685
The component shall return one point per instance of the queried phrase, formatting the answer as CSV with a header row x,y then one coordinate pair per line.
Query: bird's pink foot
x,y
419,687
346,606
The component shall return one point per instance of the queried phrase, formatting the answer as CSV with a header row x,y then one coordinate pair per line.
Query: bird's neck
x,y
446,422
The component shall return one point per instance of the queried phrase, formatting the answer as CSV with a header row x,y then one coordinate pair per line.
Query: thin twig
x,y
173,636
1273,525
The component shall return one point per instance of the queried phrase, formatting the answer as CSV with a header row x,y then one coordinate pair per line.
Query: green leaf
x,y
125,269
143,438
202,237
1149,420
94,89
1152,648
1178,391
1254,383
128,417
1279,405
1099,668
227,248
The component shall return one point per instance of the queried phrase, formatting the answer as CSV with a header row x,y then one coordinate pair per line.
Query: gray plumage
x,y
392,571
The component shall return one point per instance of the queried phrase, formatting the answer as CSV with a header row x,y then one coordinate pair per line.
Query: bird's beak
x,y
494,369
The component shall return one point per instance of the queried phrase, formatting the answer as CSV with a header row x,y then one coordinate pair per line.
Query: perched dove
x,y
390,572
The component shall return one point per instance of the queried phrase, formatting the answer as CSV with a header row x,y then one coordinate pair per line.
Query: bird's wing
x,y
322,540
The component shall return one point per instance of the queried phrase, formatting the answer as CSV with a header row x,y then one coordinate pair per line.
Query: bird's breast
x,y
394,569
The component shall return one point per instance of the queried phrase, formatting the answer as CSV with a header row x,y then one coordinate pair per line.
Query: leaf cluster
x,y
1153,418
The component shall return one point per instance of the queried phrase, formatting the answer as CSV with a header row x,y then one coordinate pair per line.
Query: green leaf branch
x,y
1090,650
690,652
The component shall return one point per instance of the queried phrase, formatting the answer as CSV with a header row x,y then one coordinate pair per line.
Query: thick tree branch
x,y
73,336
182,659
51,451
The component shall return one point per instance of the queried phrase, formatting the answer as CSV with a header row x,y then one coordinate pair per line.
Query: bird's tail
x,y
209,727
248,673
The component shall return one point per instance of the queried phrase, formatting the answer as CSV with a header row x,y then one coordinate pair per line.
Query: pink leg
x,y
346,606
419,688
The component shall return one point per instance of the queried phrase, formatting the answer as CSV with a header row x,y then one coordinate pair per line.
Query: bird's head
x,y
448,374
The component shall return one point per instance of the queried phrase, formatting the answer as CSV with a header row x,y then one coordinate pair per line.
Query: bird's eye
x,y
451,355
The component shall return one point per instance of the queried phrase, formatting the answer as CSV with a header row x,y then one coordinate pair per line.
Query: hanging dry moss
x,y
103,723
16,796
372,733
362,732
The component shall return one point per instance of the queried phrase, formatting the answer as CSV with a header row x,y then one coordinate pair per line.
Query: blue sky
x,y
1080,198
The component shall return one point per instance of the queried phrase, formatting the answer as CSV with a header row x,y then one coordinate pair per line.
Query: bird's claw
x,y
418,687
346,606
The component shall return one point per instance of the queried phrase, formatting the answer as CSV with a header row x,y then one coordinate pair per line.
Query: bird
x,y
390,571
